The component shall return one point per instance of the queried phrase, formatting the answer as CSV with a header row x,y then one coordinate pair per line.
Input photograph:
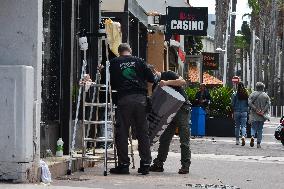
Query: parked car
x,y
279,132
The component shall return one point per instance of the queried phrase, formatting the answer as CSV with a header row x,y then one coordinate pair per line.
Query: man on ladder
x,y
129,76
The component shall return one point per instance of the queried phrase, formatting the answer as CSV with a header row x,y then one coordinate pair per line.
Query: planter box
x,y
220,127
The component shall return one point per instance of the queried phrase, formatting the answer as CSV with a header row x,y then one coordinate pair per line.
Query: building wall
x,y
159,6
21,35
211,25
21,44
155,51
208,45
208,41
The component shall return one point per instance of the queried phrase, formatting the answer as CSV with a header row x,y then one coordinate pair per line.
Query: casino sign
x,y
187,21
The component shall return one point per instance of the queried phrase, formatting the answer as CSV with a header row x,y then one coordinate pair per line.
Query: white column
x,y
248,72
21,44
253,60
244,68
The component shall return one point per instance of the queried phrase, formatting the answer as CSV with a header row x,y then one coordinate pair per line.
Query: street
x,y
216,163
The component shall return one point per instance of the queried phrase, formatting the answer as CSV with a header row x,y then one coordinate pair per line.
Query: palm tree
x,y
221,9
232,51
281,33
267,20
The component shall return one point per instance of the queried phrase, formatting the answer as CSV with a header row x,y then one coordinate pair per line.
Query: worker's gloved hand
x,y
86,80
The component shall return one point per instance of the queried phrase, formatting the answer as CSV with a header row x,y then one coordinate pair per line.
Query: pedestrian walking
x,y
180,121
240,108
259,103
129,76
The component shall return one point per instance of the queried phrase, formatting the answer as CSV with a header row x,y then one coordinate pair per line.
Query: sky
x,y
242,8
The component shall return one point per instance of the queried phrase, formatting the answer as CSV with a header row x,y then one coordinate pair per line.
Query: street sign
x,y
210,61
236,79
187,21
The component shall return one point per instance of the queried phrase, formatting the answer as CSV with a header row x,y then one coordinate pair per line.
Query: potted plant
x,y
220,121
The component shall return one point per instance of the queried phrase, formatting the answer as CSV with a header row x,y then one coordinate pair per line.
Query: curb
x,y
58,166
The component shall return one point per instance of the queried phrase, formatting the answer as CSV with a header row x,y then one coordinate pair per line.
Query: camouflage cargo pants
x,y
183,123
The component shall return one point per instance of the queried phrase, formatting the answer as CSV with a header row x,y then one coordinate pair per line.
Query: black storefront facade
x,y
64,22
134,23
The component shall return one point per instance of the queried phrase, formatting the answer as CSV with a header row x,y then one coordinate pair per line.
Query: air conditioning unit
x,y
16,122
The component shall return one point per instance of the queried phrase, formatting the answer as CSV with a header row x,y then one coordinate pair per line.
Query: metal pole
x,y
273,111
244,68
201,71
106,116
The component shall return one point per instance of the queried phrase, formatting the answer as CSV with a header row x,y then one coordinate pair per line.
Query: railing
x,y
277,111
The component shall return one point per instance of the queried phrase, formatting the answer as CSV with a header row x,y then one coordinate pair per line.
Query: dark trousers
x,y
132,112
181,121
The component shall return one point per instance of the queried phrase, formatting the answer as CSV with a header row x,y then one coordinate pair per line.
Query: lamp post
x,y
255,39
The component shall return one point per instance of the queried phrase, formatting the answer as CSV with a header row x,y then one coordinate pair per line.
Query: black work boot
x,y
157,166
122,169
144,168
183,170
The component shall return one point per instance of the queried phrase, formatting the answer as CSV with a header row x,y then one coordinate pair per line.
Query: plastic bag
x,y
45,173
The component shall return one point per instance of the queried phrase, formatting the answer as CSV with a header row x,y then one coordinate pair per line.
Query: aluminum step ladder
x,y
107,122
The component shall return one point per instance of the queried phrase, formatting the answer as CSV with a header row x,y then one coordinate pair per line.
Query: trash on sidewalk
x,y
45,173
59,148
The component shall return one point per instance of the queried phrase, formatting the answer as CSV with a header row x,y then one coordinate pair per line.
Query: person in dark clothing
x,y
180,121
129,76
202,97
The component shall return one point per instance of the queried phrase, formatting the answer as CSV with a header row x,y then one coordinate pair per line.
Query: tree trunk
x,y
220,28
272,56
232,51
265,56
242,64
277,72
282,74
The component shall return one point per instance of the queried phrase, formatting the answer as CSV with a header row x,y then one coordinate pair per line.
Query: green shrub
x,y
220,105
191,92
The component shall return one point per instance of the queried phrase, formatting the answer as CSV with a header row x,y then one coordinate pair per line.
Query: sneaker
x,y
183,170
243,141
120,169
156,168
258,146
251,142
237,142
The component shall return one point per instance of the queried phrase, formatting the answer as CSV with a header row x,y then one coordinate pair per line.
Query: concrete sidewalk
x,y
216,162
